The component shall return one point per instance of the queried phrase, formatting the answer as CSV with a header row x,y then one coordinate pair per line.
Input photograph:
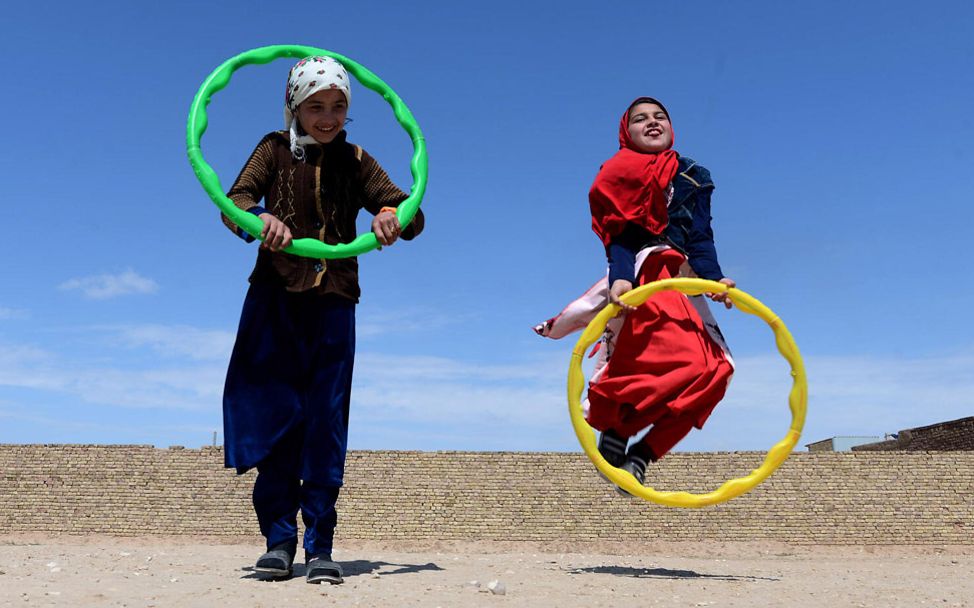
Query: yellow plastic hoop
x,y
797,399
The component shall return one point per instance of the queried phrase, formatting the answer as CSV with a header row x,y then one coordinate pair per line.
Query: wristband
x,y
389,209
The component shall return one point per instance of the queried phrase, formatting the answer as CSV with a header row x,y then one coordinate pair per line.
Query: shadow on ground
x,y
664,573
356,567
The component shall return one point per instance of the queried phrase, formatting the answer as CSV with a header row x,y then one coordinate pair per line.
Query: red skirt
x,y
665,372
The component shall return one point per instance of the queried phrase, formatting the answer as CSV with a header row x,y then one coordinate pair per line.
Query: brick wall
x,y
952,435
814,498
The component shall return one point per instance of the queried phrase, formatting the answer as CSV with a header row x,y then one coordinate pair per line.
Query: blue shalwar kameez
x,y
285,408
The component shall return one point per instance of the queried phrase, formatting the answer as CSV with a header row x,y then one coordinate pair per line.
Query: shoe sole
x,y
622,492
275,572
618,489
627,494
333,580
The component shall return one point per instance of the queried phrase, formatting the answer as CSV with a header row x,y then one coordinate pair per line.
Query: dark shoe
x,y
278,561
613,448
636,467
322,570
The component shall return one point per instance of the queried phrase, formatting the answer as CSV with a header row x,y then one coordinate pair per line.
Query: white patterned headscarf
x,y
307,77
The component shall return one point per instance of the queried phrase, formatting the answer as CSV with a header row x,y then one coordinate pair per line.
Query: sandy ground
x,y
156,571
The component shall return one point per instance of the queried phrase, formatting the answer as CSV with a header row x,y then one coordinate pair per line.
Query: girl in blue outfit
x,y
286,399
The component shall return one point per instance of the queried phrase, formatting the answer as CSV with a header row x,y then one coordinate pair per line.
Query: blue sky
x,y
838,134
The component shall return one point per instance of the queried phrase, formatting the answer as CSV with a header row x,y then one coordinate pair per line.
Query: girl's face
x,y
322,115
649,128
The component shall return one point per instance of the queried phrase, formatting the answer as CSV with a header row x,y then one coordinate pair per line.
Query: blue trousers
x,y
285,408
279,493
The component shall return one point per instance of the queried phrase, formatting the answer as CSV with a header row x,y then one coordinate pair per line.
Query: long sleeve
x,y
381,192
622,263
252,183
701,252
622,250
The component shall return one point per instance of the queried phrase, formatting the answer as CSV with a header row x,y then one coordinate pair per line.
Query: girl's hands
x,y
275,235
722,297
386,227
619,287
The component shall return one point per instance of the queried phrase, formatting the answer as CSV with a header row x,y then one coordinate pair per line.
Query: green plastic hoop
x,y
307,247
797,399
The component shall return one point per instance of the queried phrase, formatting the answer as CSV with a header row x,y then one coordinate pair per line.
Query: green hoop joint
x,y
312,248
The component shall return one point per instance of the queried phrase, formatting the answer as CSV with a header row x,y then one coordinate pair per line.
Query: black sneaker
x,y
612,447
322,570
636,467
278,561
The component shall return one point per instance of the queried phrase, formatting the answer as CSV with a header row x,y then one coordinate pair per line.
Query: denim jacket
x,y
689,229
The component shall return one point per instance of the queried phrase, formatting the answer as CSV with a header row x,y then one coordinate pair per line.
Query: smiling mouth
x,y
654,132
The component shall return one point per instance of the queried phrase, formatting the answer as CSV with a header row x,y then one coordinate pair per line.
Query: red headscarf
x,y
631,186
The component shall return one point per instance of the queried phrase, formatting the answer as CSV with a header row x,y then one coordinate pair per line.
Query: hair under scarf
x,y
631,186
307,77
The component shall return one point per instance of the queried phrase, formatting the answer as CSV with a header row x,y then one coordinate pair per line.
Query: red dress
x,y
665,371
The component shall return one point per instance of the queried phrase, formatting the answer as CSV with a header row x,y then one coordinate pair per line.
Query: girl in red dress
x,y
665,372
664,366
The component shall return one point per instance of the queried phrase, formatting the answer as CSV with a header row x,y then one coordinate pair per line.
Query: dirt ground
x,y
38,570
